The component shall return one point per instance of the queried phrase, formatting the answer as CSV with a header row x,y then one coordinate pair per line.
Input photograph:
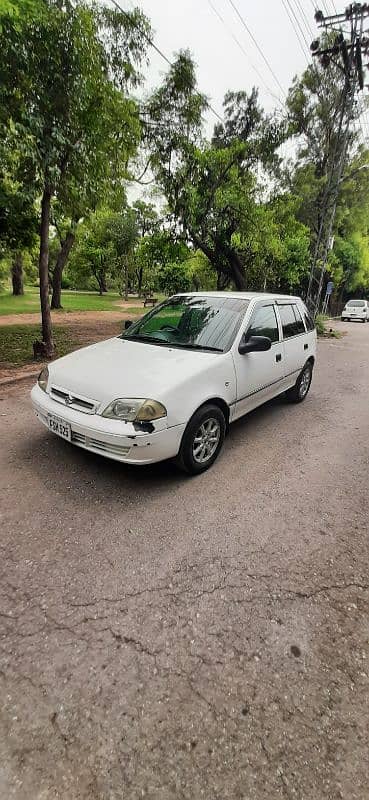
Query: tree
x,y
174,278
123,232
200,271
313,105
94,254
64,75
211,189
66,238
147,223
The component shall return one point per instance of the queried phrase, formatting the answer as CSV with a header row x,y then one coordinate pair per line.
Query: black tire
x,y
186,458
301,388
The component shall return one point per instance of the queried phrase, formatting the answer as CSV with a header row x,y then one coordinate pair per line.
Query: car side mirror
x,y
127,324
255,344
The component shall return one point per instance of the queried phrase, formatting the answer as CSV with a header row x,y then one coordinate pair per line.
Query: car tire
x,y
301,388
202,440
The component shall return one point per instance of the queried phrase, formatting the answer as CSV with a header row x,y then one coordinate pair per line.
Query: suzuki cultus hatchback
x,y
171,384
356,309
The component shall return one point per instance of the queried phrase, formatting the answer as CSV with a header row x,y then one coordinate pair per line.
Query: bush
x,y
65,282
174,278
320,321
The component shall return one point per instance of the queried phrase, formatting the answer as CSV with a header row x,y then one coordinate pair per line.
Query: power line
x,y
326,9
299,25
286,8
250,33
241,47
304,18
157,49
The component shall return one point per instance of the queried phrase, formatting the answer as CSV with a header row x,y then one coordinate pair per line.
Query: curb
x,y
18,378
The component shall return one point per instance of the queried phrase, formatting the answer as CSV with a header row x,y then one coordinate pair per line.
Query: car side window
x,y
309,322
288,319
299,321
264,323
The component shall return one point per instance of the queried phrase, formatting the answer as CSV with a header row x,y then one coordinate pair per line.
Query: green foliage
x,y
4,272
154,253
65,79
61,95
94,254
350,263
211,189
174,278
104,251
201,273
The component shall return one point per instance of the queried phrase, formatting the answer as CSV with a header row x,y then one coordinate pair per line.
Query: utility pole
x,y
347,43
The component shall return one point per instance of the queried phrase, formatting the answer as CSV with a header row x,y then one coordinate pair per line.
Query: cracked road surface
x,y
172,638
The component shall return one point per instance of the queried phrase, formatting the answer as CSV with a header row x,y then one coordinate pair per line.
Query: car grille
x,y
96,444
72,400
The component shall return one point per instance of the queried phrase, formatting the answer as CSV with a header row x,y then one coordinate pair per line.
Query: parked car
x,y
171,384
356,309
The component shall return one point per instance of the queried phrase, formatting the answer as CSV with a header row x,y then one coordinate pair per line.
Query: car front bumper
x,y
100,435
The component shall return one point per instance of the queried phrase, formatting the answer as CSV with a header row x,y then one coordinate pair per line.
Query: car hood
x,y
122,368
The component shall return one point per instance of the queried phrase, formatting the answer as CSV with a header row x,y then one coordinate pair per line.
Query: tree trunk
x,y
47,332
126,287
140,280
237,270
61,261
17,274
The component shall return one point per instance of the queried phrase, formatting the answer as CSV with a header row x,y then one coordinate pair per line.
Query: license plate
x,y
60,427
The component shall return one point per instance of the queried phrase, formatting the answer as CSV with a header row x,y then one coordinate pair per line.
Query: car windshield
x,y
195,322
356,303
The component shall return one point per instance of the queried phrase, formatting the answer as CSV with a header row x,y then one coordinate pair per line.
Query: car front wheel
x,y
301,388
202,440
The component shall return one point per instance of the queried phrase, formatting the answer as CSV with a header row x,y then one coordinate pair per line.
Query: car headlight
x,y
135,410
43,379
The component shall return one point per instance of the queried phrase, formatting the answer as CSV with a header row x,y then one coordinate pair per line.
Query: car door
x,y
295,340
259,376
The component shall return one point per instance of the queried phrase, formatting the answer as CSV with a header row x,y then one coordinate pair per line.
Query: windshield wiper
x,y
185,346
200,347
141,338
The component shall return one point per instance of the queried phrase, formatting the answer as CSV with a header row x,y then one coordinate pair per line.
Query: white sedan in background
x,y
171,384
356,309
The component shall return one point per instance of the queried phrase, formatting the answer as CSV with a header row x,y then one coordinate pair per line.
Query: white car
x,y
171,384
356,309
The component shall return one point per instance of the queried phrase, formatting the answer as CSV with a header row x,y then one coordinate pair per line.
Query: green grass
x,y
71,301
16,343
322,330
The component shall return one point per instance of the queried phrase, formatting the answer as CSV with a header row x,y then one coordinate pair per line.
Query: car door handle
x,y
306,346
278,357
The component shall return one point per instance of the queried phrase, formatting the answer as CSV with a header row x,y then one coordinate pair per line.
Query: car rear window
x,y
309,322
359,303
291,326
299,321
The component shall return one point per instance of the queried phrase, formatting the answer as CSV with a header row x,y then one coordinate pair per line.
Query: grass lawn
x,y
16,343
71,301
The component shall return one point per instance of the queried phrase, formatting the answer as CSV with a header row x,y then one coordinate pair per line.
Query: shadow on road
x,y
64,467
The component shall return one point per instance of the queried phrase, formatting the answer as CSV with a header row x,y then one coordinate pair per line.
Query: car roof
x,y
241,295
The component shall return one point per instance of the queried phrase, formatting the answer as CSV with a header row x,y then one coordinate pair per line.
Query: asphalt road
x,y
176,638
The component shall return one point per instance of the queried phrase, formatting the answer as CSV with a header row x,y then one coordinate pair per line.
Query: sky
x,y
210,28
237,44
